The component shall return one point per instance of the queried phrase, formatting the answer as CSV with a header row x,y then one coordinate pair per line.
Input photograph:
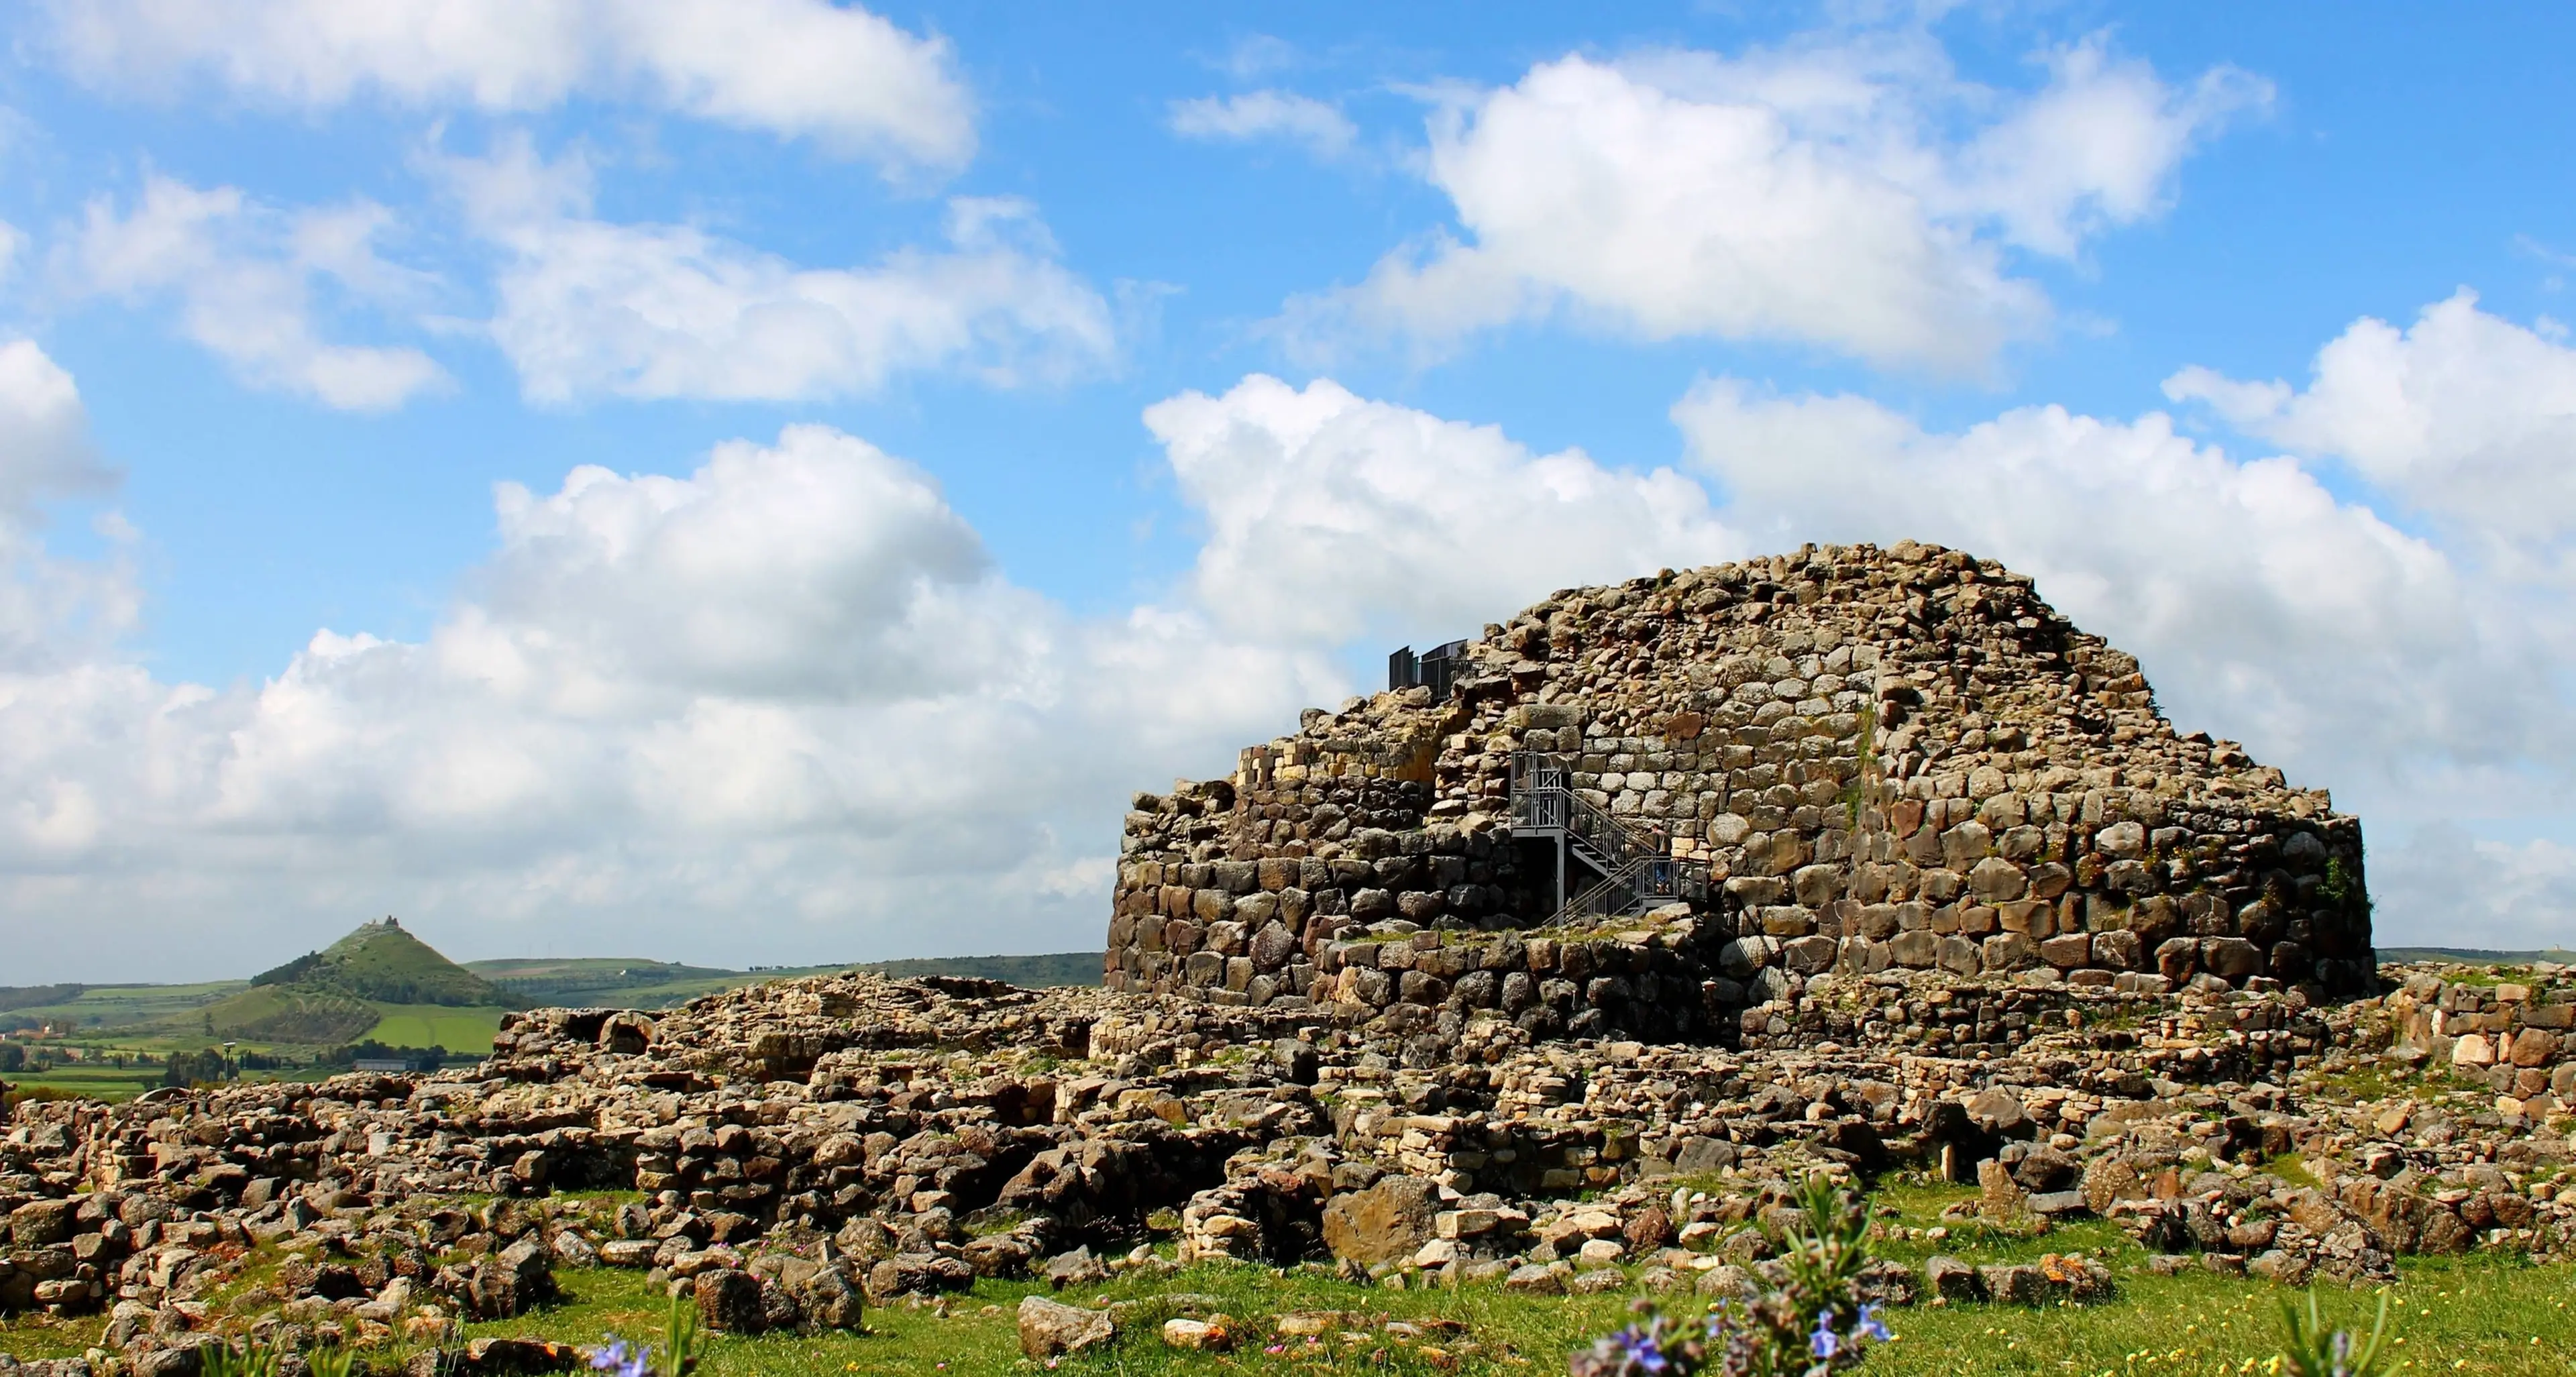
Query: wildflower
x,y
1868,1325
1824,1343
1643,1348
613,1357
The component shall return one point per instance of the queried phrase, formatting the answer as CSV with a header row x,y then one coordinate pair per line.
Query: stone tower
x,y
1843,759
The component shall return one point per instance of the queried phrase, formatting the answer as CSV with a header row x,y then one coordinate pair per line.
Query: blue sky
x,y
944,496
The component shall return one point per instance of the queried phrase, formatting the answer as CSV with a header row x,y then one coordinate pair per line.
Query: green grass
x,y
2480,1315
124,1006
100,1082
2483,1317
281,1013
433,1025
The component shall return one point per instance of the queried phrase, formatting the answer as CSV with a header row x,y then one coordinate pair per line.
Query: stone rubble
x,y
806,1149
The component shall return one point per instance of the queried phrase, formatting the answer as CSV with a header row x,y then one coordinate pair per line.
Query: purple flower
x,y
1642,1348
613,1357
1868,1326
1824,1343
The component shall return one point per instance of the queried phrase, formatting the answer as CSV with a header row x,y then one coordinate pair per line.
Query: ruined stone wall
x,y
2520,1038
1893,759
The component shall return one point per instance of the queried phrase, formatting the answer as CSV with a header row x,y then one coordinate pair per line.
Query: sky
x,y
764,481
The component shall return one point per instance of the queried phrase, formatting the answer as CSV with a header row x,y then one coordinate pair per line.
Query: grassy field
x,y
2481,1316
658,984
124,1006
97,1082
436,1025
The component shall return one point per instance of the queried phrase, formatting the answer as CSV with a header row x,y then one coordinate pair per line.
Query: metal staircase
x,y
1632,869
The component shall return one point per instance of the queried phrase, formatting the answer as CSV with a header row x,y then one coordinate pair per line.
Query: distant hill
x,y
382,982
344,991
1029,972
604,980
637,983
35,996
2477,956
382,962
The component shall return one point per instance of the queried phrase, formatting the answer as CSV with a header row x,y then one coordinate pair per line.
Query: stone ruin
x,y
1660,806
1900,874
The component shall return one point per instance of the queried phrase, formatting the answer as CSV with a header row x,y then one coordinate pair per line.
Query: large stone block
x,y
2231,957
2008,951
1386,1223
2067,952
2118,950
1996,880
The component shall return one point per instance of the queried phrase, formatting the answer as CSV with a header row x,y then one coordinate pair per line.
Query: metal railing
x,y
1645,883
1638,871
1544,799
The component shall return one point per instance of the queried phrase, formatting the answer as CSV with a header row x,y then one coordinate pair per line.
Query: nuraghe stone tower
x,y
1664,806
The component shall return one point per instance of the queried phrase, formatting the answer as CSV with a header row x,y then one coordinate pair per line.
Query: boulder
x,y
511,1282
1048,1328
1952,1280
728,1299
1388,1222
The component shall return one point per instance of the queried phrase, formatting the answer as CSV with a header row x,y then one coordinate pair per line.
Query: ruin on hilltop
x,y
1661,805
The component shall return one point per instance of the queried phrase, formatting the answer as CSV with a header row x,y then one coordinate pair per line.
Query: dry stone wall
x,y
1891,759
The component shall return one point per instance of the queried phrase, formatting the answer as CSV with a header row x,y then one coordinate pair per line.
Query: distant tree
x,y
12,1057
290,972
191,1068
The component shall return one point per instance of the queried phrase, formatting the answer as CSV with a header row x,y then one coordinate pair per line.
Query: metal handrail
x,y
1636,869
1644,882
1543,797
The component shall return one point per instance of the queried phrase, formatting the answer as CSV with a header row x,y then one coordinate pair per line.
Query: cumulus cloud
x,y
244,277
589,307
1322,129
781,705
1328,515
2344,649
838,74
1803,194
786,703
2515,897
2463,415
50,608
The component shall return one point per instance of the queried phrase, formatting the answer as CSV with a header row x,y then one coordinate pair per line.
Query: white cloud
x,y
587,307
838,74
44,432
1329,515
2342,649
2443,887
1322,129
1802,195
2463,415
244,275
51,609
783,705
